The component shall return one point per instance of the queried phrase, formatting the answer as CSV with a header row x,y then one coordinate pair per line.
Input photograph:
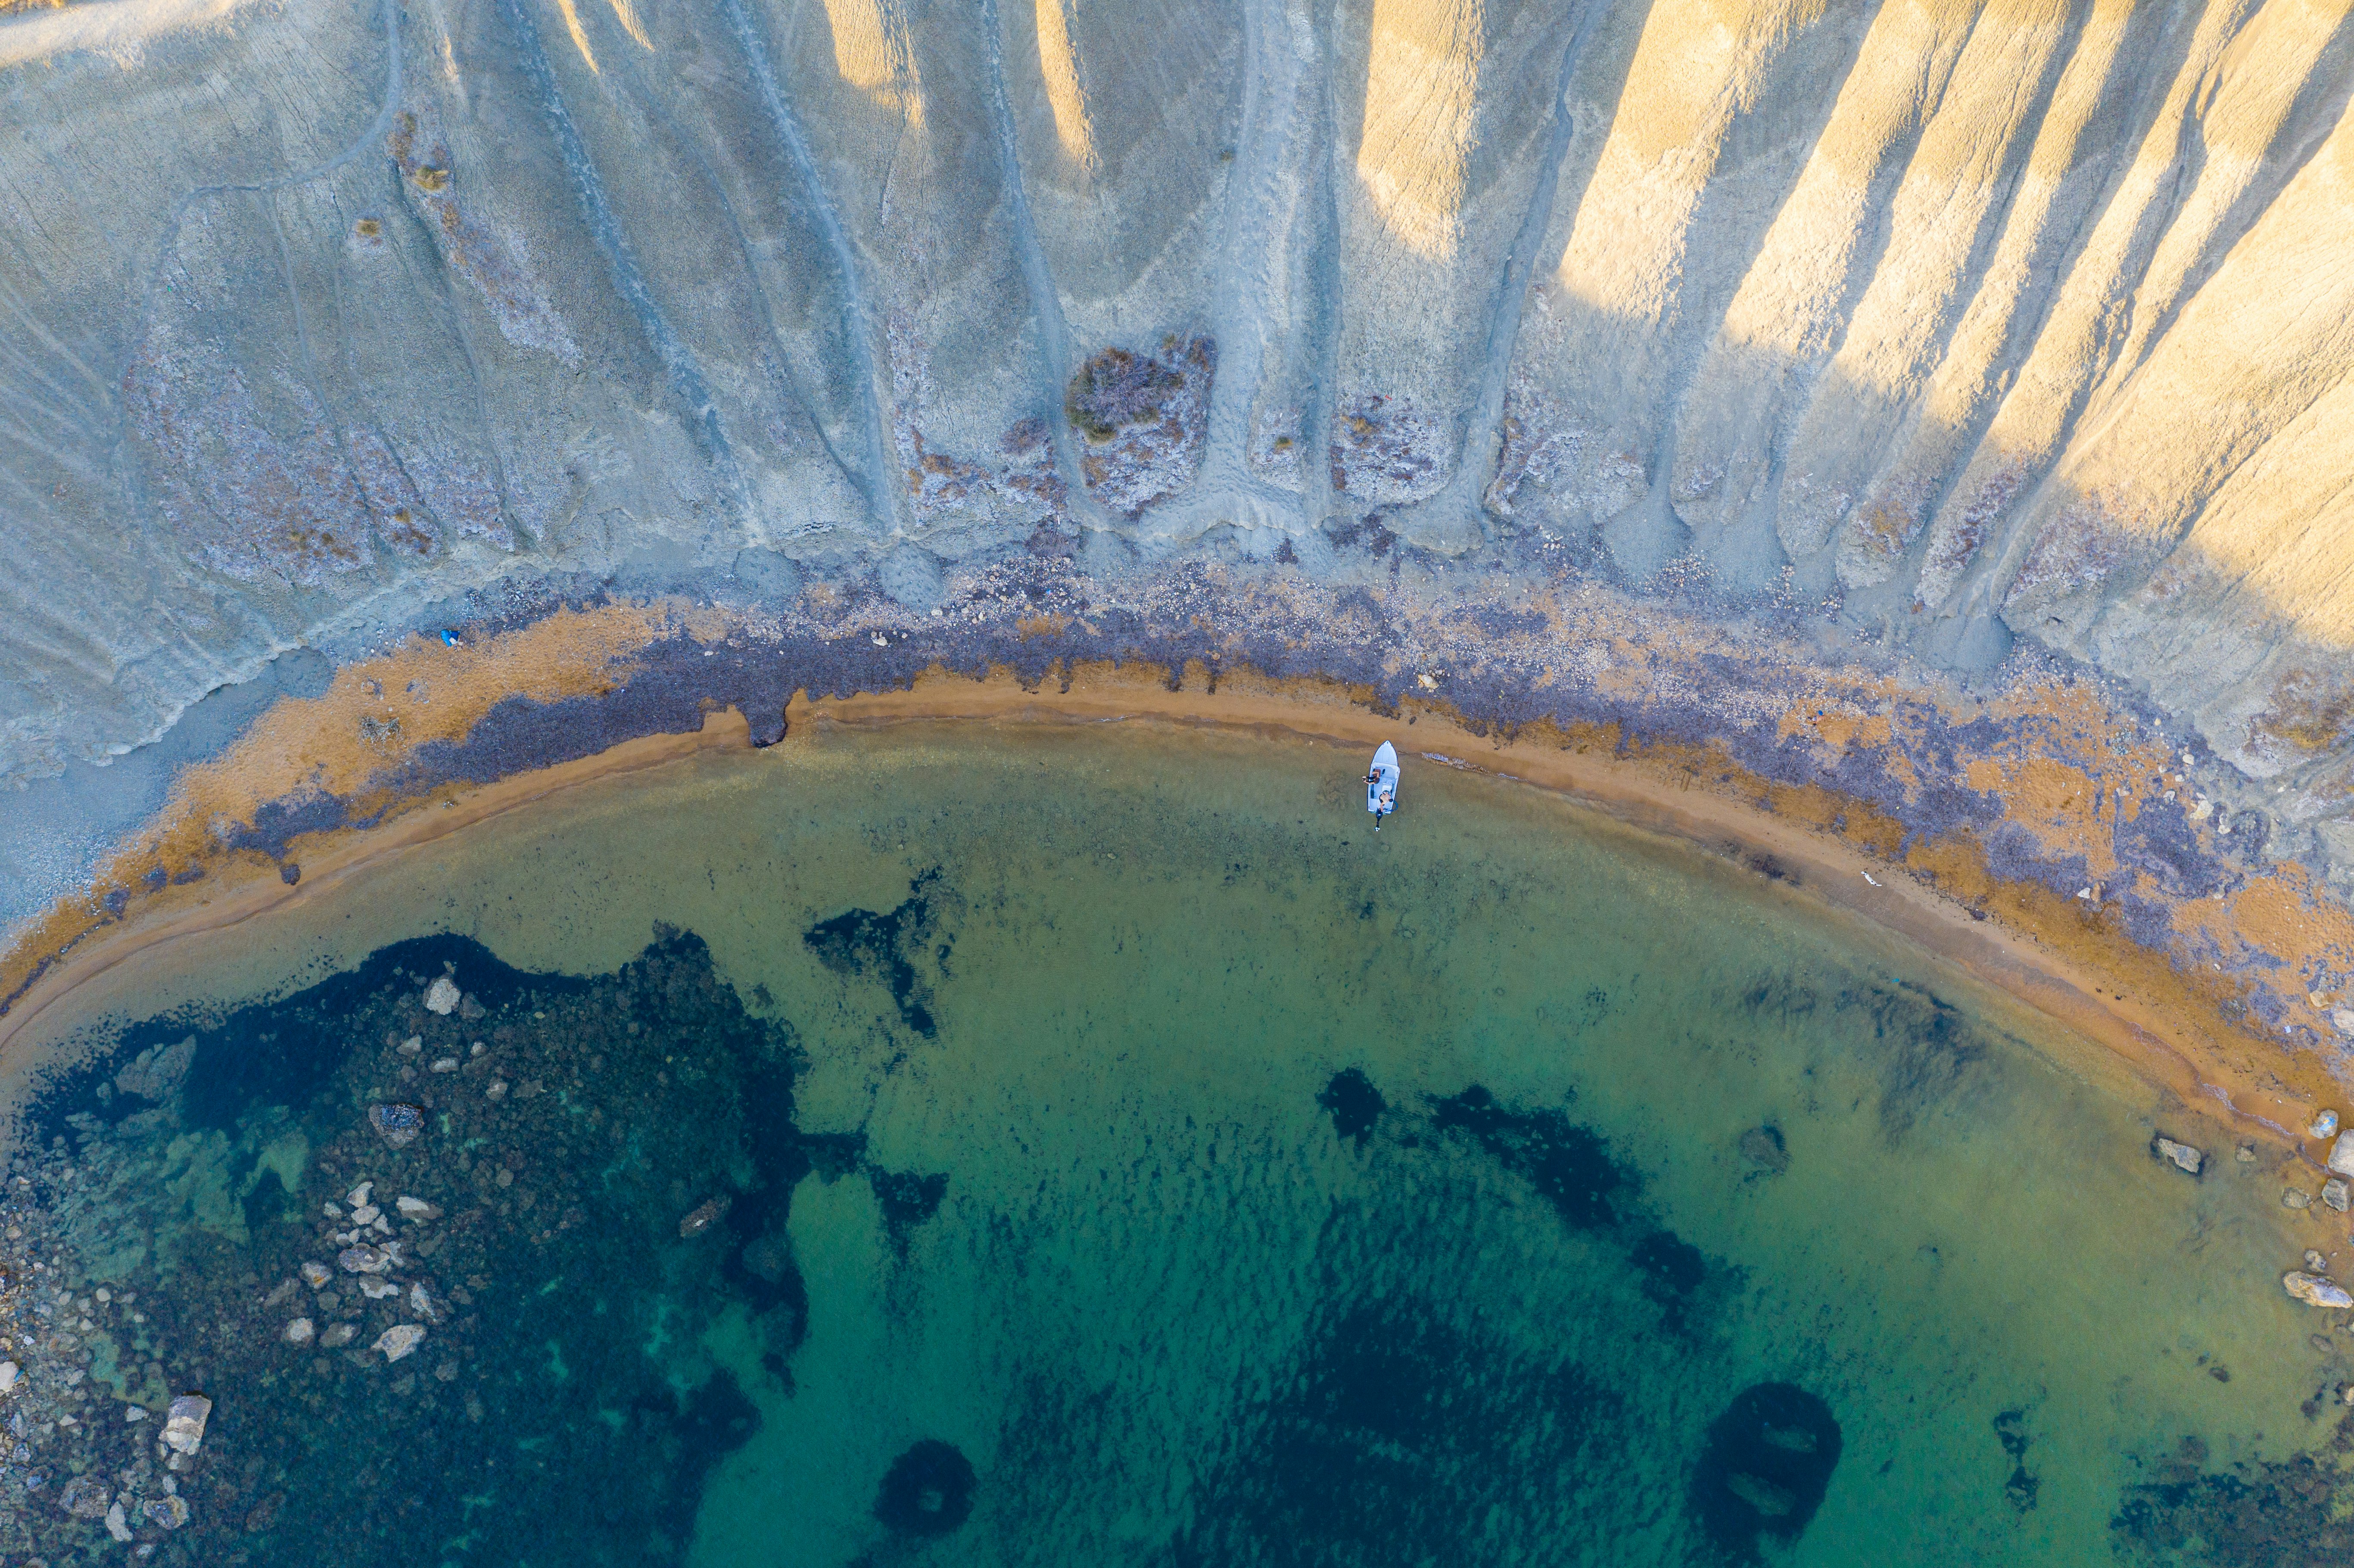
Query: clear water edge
x,y
1165,946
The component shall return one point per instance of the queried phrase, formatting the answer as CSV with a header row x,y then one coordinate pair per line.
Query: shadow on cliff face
x,y
1824,405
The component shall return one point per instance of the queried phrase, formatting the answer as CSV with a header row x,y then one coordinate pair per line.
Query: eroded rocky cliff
x,y
1931,324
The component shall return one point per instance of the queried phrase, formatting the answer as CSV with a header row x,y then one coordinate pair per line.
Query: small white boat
x,y
1381,784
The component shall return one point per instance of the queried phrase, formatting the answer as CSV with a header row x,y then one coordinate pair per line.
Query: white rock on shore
x,y
2314,1292
442,997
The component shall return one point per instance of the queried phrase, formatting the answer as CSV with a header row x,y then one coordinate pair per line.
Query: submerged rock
x,y
2341,1153
2324,1124
398,1122
1763,1147
168,1513
2314,1292
442,997
84,1497
117,1524
157,1073
2181,1156
418,1208
8,1373
2336,1193
703,1217
926,1491
1764,1469
316,1275
338,1335
1356,1105
365,1259
400,1341
2296,1198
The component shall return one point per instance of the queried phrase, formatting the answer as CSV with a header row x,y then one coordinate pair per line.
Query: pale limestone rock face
x,y
1965,320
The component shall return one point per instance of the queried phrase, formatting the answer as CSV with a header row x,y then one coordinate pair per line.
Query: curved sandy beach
x,y
2060,961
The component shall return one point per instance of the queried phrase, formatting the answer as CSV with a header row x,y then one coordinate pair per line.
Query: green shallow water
x,y
1100,1147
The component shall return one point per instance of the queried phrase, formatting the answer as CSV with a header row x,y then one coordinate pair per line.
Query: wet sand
x,y
2159,1025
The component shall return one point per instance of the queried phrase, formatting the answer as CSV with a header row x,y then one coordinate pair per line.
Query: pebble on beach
x,y
2324,1124
2314,1292
2181,1156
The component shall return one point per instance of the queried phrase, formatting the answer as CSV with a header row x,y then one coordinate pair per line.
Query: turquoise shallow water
x,y
1080,1147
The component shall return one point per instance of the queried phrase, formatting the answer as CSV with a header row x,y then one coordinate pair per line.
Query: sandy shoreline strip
x,y
2165,1034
